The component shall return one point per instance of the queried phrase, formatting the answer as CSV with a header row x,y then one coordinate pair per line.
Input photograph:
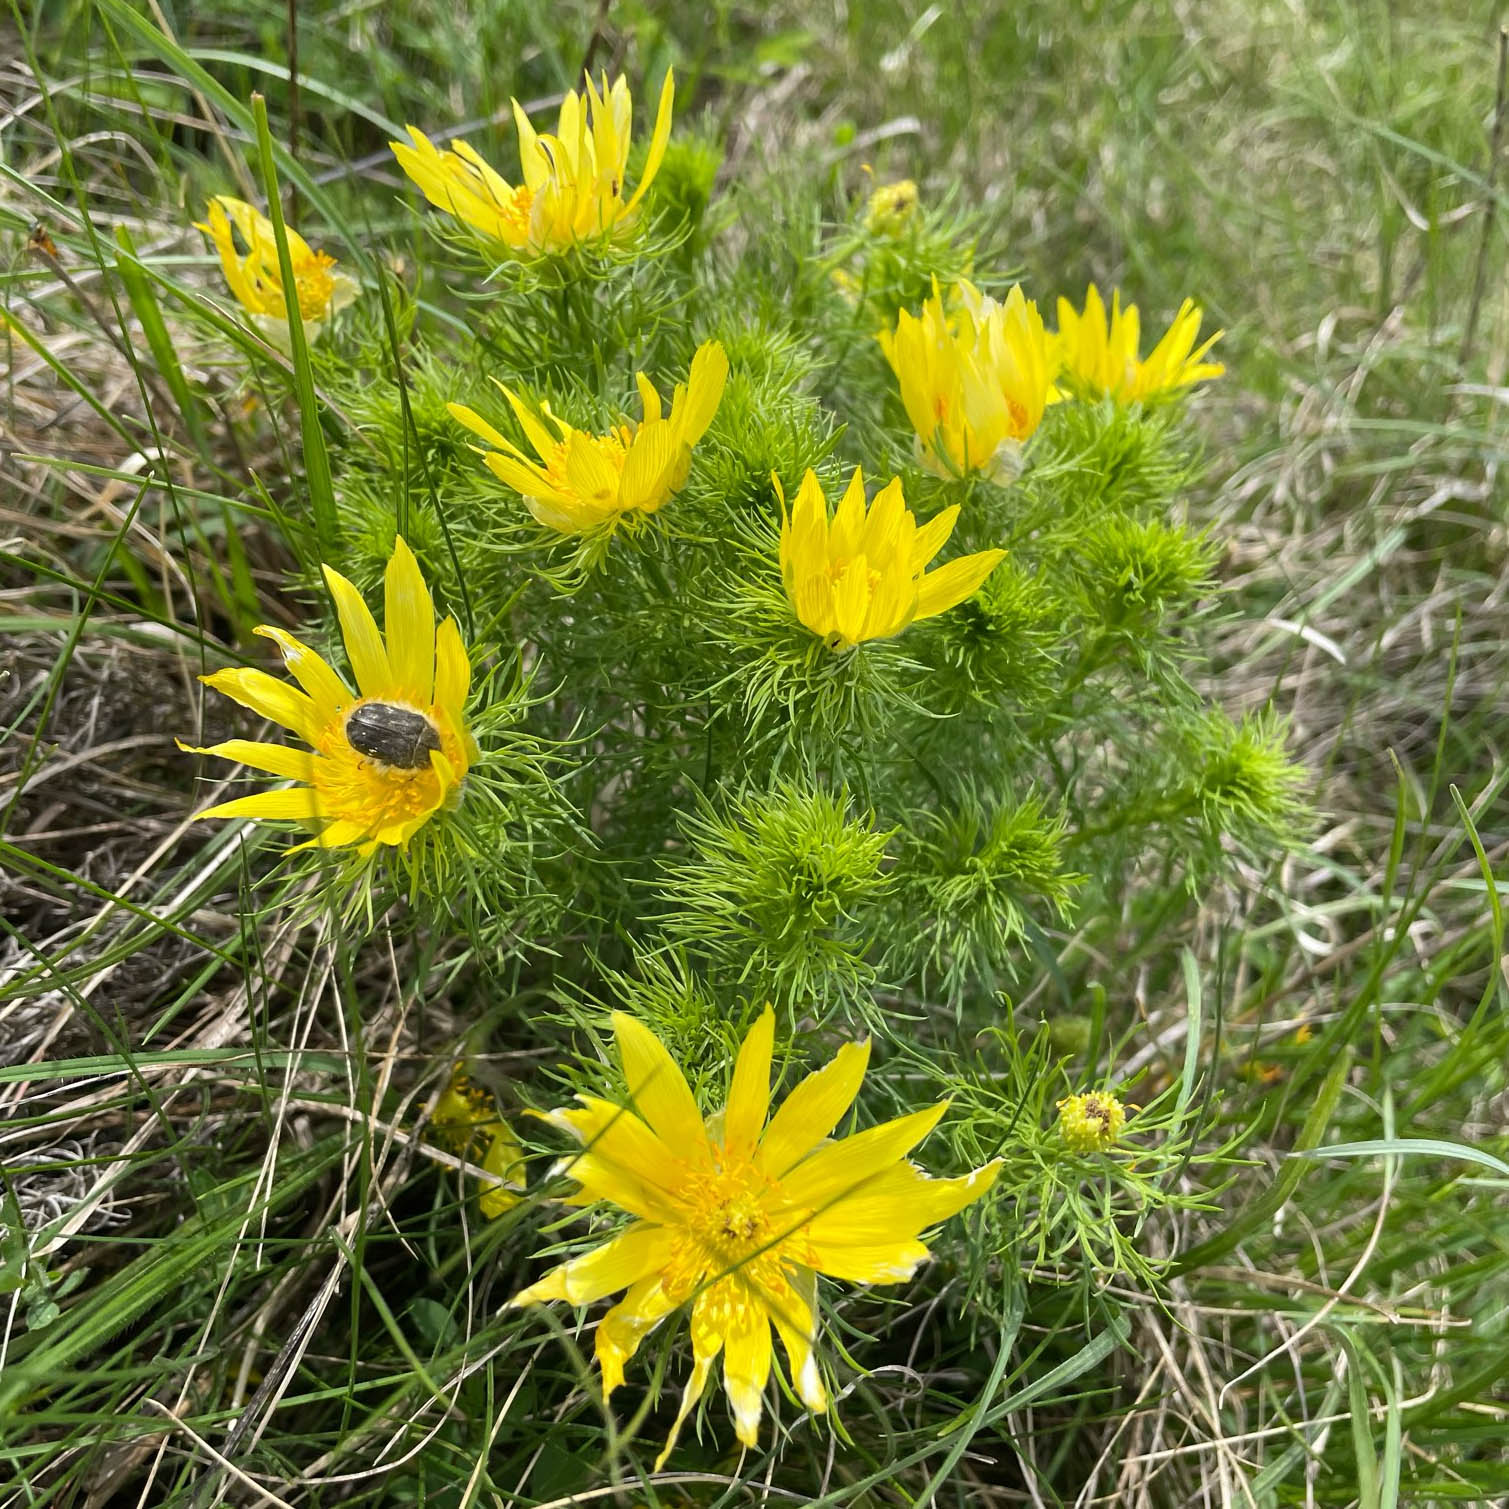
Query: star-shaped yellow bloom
x,y
739,1214
1096,352
382,761
974,379
255,276
863,575
581,481
573,188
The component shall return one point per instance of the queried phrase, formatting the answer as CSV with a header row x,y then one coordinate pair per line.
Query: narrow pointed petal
x,y
707,1342
478,425
330,695
843,1169
627,1324
898,1203
933,536
813,1109
618,1264
793,1310
704,390
649,399
270,698
298,803
364,646
746,1370
409,619
949,585
658,140
749,1094
453,670
657,1087
274,759
891,1262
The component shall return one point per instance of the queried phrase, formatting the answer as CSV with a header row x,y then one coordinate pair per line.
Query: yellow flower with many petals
x,y
1096,353
581,481
382,761
863,575
248,252
573,188
739,1215
464,1118
974,382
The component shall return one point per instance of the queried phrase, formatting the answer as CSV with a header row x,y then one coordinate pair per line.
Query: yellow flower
x,y
465,1120
1092,1122
382,762
740,1216
573,188
1097,354
975,382
256,278
861,575
581,481
890,207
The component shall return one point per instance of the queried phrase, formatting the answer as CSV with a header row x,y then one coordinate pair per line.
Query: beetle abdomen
x,y
397,736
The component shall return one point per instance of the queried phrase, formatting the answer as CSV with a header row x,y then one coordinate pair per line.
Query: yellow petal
x,y
627,1324
933,536
649,399
270,698
589,473
640,1250
842,1169
949,585
794,1312
328,692
746,1370
848,521
851,600
658,140
704,390
648,466
298,803
364,646
409,621
453,670
275,759
477,425
813,1109
658,1088
898,1203
707,1342
890,1262
749,1094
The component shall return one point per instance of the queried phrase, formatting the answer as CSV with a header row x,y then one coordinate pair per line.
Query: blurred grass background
x,y
1319,178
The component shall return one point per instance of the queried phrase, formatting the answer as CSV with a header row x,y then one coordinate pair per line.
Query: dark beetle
x,y
397,736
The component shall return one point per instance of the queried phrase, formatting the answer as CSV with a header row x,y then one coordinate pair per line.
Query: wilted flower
x,y
863,575
1097,354
255,276
1091,1123
581,481
382,762
573,187
465,1119
890,207
739,1215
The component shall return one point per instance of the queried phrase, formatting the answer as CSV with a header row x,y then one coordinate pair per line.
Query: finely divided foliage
x,y
765,687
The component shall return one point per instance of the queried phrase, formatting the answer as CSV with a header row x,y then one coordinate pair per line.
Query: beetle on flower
x,y
383,760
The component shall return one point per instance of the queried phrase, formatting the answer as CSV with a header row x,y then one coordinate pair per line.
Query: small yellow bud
x,y
890,207
1092,1122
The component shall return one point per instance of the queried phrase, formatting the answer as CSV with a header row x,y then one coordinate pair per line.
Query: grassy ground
x,y
200,1229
